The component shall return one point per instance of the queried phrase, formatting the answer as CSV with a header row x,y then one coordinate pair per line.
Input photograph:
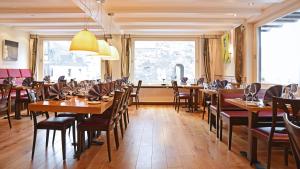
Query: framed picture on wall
x,y
10,50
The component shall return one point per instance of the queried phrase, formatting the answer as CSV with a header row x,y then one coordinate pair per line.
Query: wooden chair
x,y
102,124
275,135
294,137
5,101
180,96
51,123
228,113
135,94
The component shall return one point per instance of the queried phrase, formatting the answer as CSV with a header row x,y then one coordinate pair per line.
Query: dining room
x,y
140,84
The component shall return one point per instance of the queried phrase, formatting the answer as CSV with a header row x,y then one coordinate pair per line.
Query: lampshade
x,y
114,54
104,49
84,41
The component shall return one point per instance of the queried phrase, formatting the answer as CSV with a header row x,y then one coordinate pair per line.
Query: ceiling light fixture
x,y
113,50
84,40
251,3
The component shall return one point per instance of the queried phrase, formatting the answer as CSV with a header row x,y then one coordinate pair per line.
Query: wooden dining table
x,y
74,104
253,112
18,89
194,92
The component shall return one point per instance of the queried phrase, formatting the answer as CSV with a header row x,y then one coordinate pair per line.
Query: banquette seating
x,y
17,74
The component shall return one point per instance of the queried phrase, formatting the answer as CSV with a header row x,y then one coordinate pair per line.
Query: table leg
x,y
17,105
196,99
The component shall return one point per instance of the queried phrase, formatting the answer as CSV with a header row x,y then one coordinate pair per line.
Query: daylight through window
x,y
157,62
59,61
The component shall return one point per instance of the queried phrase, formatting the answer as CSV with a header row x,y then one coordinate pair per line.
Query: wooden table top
x,y
190,86
209,91
74,105
248,105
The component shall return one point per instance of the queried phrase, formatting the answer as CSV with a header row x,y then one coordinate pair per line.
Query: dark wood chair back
x,y
116,106
38,86
175,86
294,138
33,97
274,91
200,81
280,105
5,92
138,87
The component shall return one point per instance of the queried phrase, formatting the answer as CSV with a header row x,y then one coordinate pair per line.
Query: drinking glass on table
x,y
246,90
294,89
252,91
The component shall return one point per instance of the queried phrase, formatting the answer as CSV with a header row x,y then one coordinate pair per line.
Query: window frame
x,y
195,39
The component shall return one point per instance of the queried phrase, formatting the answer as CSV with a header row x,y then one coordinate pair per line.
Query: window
x,y
58,61
279,51
157,62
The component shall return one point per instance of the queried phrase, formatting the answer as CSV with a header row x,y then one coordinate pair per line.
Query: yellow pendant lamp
x,y
104,49
84,41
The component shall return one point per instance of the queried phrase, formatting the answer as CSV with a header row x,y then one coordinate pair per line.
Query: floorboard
x,y
157,138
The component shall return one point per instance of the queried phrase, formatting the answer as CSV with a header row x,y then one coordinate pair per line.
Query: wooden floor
x,y
157,137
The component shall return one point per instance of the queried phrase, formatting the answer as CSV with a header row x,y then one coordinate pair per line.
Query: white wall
x,y
8,33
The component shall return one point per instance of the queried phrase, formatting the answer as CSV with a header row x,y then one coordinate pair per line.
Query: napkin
x,y
8,80
47,79
55,92
94,93
105,89
27,81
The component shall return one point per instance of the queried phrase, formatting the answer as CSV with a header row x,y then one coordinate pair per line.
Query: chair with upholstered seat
x,y
135,94
5,101
99,123
51,123
276,134
180,96
228,113
294,137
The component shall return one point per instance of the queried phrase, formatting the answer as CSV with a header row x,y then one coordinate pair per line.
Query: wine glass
x,y
246,90
252,91
293,91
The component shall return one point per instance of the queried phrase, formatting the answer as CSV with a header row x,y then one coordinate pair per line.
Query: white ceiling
x,y
179,17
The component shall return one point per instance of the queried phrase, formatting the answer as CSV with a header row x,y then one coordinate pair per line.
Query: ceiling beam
x,y
183,27
170,19
182,9
39,10
41,20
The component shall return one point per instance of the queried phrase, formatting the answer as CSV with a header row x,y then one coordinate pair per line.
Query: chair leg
x,y
74,137
79,143
217,125
8,118
136,102
47,137
121,126
269,153
229,136
127,114
53,137
210,122
116,136
208,113
286,156
178,104
33,144
108,145
63,142
221,129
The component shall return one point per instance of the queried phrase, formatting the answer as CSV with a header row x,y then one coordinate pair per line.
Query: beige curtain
x,y
33,42
206,60
215,57
108,69
125,56
239,53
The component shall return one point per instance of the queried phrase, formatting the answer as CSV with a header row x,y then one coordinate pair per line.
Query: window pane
x,y
280,54
158,60
58,61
